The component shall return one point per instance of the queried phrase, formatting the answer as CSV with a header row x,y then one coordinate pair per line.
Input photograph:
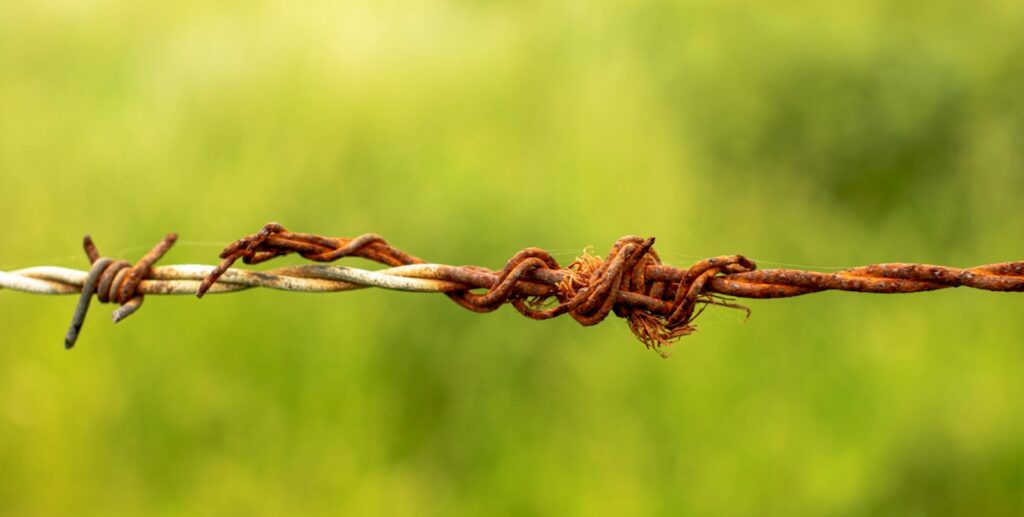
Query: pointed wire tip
x,y
72,337
127,308
90,248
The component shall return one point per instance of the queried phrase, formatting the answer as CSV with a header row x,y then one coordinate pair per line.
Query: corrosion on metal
x,y
113,281
658,301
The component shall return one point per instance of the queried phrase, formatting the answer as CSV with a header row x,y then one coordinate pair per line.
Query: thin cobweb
x,y
79,260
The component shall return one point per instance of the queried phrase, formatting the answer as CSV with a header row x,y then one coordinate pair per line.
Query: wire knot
x,y
592,288
114,281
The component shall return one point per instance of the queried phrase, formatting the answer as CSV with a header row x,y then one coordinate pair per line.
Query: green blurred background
x,y
820,134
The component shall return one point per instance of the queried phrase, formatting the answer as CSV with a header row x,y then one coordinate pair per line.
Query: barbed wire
x,y
658,301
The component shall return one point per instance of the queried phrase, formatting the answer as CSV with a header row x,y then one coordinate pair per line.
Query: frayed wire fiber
x,y
659,302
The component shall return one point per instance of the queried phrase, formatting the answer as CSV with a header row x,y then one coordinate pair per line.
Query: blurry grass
x,y
794,133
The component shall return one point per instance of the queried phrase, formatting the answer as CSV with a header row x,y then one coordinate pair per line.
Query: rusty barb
x,y
113,281
659,302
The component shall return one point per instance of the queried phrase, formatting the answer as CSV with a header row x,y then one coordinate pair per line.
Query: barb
x,y
115,281
658,301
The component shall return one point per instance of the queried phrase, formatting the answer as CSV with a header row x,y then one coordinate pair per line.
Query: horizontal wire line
x,y
185,279
658,301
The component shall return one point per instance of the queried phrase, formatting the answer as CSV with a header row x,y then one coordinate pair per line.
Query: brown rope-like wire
x,y
659,302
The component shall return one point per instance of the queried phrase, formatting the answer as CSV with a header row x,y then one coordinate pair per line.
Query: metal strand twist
x,y
658,301
113,281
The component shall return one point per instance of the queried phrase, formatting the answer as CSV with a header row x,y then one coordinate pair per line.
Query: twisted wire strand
x,y
658,301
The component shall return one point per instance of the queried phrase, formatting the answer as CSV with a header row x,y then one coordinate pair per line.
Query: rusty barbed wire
x,y
659,302
113,281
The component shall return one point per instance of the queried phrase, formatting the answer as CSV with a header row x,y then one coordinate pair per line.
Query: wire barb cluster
x,y
113,281
658,301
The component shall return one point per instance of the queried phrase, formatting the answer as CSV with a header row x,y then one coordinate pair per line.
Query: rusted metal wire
x,y
113,281
658,301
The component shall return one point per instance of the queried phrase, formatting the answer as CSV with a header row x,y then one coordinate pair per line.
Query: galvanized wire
x,y
658,301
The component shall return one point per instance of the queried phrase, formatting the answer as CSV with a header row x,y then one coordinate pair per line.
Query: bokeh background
x,y
819,134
